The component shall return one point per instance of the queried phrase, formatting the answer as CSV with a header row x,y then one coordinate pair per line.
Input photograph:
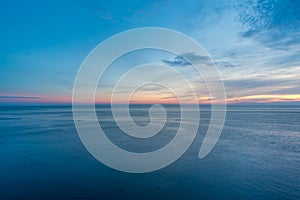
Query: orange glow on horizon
x,y
150,99
266,98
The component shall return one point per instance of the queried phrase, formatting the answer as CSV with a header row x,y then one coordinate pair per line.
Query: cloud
x,y
18,97
241,84
274,23
225,64
188,58
262,81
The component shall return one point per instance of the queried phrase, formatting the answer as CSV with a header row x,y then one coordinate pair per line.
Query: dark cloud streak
x,y
188,58
18,97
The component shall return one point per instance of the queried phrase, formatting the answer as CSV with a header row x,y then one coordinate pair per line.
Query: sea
x,y
257,156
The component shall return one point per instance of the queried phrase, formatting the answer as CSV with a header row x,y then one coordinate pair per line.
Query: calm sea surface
x,y
257,157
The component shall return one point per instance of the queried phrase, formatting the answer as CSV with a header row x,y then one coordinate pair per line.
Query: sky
x,y
254,44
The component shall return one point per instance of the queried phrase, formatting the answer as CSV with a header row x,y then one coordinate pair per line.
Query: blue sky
x,y
255,44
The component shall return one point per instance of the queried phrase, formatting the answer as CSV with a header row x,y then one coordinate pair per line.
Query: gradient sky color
x,y
255,45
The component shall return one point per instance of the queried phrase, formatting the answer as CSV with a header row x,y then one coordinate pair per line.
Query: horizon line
x,y
106,104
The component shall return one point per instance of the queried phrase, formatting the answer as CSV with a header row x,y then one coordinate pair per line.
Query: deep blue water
x,y
257,157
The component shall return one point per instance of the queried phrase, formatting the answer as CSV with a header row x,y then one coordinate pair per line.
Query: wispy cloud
x,y
274,23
